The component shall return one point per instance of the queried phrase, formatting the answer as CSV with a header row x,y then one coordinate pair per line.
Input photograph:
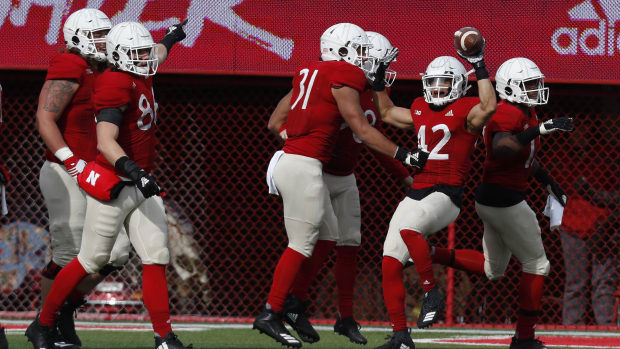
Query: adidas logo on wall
x,y
608,43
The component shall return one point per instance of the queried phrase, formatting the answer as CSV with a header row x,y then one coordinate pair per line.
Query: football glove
x,y
4,176
554,189
557,124
74,165
173,35
415,159
378,81
477,59
143,180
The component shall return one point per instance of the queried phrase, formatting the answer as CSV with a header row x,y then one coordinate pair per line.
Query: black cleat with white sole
x,y
295,315
170,342
399,340
432,305
270,323
66,324
348,327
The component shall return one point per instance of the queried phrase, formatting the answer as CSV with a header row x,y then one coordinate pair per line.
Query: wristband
x,y
63,154
128,166
168,41
481,70
401,154
528,135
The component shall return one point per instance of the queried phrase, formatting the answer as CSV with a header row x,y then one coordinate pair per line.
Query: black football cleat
x,y
348,327
3,342
432,305
170,342
40,336
399,340
295,315
66,324
530,343
270,323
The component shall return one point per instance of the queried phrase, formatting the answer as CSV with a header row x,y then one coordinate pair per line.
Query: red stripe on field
x,y
607,342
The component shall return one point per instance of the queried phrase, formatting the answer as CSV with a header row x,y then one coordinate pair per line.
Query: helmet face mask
x,y
347,42
519,80
444,81
130,48
379,49
86,30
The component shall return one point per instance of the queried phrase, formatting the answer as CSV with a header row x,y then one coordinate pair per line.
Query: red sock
x,y
155,297
283,277
394,292
530,294
467,260
420,253
346,272
311,267
66,280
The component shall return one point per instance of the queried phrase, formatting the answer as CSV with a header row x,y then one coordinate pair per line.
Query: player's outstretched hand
x,y
476,59
176,31
378,81
557,124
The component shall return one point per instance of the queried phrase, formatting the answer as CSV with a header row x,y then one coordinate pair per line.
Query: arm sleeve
x,y
66,66
112,90
350,76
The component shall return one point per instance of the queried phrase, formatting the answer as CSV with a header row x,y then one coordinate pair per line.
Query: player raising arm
x,y
447,124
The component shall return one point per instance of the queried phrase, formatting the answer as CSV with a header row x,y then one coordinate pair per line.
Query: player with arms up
x,y
66,124
447,124
510,226
122,192
325,93
339,178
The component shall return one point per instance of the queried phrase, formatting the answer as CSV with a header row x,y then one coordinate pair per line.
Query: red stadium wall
x,y
227,232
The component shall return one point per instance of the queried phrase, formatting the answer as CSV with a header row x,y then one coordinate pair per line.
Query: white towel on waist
x,y
554,210
272,164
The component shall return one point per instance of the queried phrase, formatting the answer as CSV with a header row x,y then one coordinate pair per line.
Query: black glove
x,y
142,179
174,34
554,189
557,124
378,82
415,159
477,62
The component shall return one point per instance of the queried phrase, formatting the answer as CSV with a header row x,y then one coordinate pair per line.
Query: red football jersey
x,y
512,174
444,135
314,118
77,122
137,130
347,149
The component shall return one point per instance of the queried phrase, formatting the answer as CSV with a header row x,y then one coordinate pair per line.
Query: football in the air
x,y
468,41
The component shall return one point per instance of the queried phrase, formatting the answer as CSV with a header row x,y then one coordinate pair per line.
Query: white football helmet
x,y
380,47
445,81
519,80
347,42
79,28
126,43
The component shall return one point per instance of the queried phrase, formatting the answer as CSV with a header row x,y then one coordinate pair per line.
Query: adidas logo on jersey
x,y
426,282
586,11
450,113
417,112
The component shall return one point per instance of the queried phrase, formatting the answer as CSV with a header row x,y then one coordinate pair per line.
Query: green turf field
x,y
237,339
